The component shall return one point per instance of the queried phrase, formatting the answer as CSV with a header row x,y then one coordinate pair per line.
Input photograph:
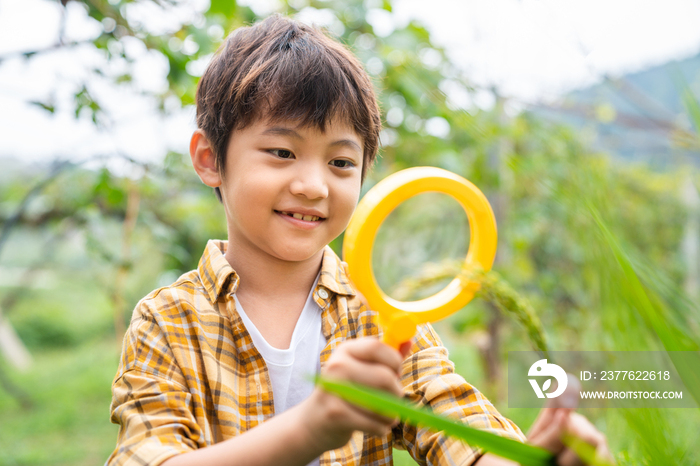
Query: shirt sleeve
x,y
150,399
429,379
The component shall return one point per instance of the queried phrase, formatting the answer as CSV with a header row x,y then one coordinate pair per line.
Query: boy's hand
x,y
331,421
558,419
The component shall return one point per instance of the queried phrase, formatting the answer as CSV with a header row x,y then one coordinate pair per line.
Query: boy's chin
x,y
299,253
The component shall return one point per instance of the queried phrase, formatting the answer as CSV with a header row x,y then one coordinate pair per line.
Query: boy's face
x,y
289,190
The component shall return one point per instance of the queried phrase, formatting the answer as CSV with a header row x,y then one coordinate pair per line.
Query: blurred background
x,y
580,121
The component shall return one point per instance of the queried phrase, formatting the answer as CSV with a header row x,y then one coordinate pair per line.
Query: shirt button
x,y
324,295
336,463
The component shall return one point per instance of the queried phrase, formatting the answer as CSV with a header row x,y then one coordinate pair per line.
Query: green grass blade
x,y
584,451
652,311
635,292
689,100
387,405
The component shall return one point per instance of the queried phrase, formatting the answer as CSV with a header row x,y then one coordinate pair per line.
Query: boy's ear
x,y
204,160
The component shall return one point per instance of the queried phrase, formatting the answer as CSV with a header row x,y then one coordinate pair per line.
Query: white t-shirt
x,y
291,370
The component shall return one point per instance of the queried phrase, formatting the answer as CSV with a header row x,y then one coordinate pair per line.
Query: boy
x,y
288,126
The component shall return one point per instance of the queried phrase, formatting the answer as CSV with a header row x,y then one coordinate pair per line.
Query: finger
x,y
550,436
603,452
389,421
370,374
582,428
544,418
372,350
568,399
368,421
569,458
338,415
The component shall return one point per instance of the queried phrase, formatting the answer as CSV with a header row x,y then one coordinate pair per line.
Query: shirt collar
x,y
334,274
216,273
218,276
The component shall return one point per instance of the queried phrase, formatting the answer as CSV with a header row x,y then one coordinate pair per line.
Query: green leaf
x,y
390,406
387,405
691,103
49,107
225,7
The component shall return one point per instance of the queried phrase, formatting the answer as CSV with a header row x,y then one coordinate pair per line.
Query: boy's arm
x,y
150,399
158,427
153,407
281,440
321,422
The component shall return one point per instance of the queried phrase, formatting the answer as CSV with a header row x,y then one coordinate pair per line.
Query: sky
x,y
531,50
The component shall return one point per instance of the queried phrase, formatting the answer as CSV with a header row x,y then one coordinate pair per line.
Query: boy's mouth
x,y
298,216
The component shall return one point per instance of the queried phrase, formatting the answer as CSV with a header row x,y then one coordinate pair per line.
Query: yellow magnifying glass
x,y
400,318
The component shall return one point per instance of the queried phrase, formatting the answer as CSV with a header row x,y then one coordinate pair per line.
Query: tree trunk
x,y
500,201
12,347
130,217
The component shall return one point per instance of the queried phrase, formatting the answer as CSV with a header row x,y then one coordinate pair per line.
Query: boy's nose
x,y
309,182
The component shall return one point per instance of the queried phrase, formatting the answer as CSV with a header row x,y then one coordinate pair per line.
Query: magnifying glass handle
x,y
398,329
389,341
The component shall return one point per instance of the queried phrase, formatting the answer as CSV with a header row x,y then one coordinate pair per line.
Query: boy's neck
x,y
264,275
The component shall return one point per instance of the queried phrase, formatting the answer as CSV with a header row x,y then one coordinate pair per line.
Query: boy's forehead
x,y
268,124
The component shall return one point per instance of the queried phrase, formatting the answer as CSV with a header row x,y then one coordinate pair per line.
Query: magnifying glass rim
x,y
373,210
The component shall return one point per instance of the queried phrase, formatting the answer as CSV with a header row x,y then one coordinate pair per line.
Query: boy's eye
x,y
282,153
342,163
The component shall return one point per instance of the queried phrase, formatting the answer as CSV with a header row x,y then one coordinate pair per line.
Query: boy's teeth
x,y
308,218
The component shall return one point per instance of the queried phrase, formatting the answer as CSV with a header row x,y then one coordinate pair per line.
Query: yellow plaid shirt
x,y
190,376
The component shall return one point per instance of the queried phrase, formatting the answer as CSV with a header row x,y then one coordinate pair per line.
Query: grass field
x,y
68,423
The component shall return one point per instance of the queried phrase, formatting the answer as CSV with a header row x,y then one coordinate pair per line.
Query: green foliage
x,y
68,424
48,327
